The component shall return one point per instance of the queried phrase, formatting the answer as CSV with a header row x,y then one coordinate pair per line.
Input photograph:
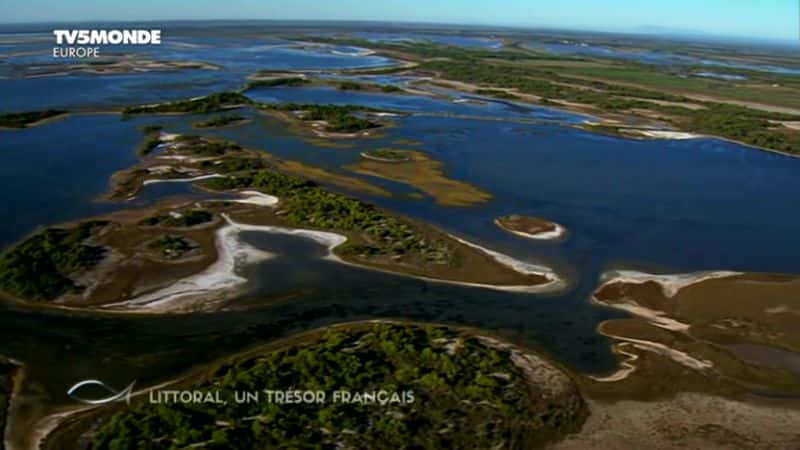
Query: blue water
x,y
54,173
237,58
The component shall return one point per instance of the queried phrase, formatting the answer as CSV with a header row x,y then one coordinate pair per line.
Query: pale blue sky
x,y
753,18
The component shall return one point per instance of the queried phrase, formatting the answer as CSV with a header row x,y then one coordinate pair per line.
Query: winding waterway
x,y
697,204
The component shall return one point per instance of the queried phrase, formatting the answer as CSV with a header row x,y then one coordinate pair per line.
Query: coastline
x,y
220,278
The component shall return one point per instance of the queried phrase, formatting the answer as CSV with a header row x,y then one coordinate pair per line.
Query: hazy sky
x,y
754,18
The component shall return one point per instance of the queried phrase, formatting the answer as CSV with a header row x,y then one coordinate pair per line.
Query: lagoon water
x,y
654,57
662,205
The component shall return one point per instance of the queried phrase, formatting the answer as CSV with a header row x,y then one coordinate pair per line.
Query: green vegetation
x,y
274,82
220,101
171,246
183,219
339,118
220,121
747,125
39,267
427,50
450,389
303,203
23,119
744,125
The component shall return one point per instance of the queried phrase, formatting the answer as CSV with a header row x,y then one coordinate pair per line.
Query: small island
x,y
374,385
221,101
530,227
172,247
326,120
420,171
386,155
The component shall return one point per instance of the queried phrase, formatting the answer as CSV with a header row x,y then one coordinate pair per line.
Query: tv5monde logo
x,y
86,43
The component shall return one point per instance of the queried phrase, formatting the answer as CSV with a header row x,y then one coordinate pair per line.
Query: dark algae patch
x,y
275,82
23,119
220,121
39,267
399,386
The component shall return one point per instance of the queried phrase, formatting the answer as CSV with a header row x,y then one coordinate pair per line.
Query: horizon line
x,y
636,30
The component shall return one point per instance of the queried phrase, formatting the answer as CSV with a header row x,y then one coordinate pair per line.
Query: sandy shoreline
x,y
664,134
219,277
181,180
222,275
552,235
670,283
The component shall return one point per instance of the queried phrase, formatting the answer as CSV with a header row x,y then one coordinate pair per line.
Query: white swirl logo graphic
x,y
116,396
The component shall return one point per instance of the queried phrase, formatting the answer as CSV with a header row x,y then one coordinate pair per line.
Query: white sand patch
x,y
664,134
233,253
325,238
168,137
782,309
220,276
678,356
552,235
189,159
654,317
670,284
257,198
522,267
333,240
183,180
626,367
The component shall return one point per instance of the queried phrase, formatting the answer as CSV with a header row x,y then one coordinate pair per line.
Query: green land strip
x,y
39,267
467,393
